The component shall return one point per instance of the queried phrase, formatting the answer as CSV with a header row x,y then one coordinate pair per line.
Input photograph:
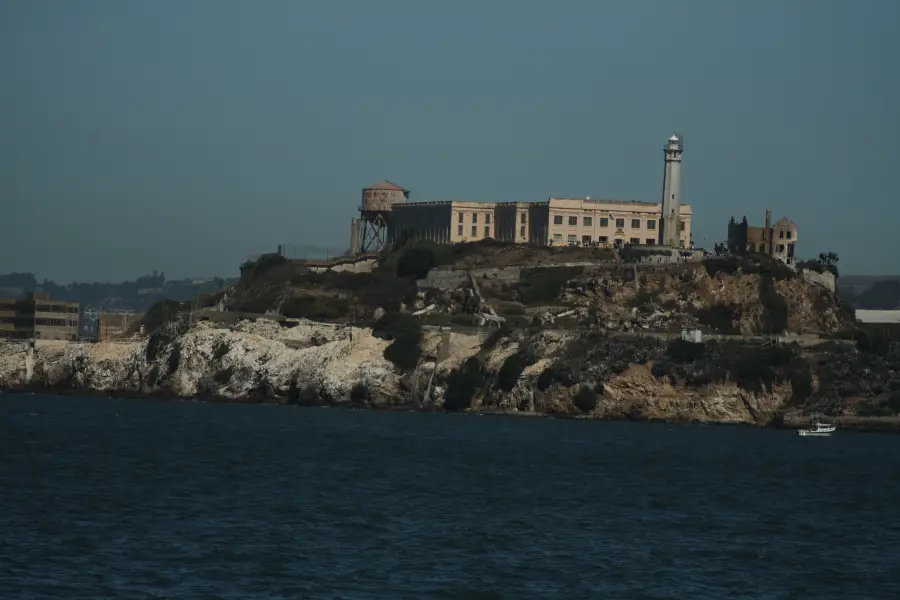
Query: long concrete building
x,y
556,221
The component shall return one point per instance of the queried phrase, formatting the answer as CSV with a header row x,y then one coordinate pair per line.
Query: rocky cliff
x,y
541,372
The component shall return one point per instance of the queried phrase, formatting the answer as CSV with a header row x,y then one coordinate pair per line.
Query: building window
x,y
781,234
557,236
557,219
789,234
604,222
487,231
585,240
459,230
651,223
487,218
588,221
524,218
635,223
573,221
460,218
571,238
522,231
650,241
779,249
620,223
474,218
602,239
634,241
681,226
474,231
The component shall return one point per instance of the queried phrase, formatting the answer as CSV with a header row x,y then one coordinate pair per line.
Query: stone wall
x,y
827,279
451,279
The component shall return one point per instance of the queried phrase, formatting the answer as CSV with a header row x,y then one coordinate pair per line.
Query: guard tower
x,y
670,219
375,214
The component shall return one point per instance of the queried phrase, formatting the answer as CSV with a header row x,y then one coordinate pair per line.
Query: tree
x,y
829,260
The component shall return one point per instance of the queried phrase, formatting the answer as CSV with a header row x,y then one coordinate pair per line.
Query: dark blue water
x,y
150,499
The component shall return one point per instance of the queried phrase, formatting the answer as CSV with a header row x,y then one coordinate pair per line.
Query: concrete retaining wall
x,y
827,279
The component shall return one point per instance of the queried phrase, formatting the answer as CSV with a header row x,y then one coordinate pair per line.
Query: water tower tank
x,y
375,214
380,197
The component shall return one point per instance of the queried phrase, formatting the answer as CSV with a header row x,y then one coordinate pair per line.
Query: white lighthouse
x,y
670,219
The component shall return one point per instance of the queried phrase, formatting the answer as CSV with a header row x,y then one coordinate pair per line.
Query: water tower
x,y
375,214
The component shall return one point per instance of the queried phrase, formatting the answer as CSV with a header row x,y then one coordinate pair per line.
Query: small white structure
x,y
878,316
695,336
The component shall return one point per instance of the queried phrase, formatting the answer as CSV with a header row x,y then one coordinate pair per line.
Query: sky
x,y
187,135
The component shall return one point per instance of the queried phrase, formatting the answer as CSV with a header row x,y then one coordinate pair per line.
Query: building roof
x,y
674,138
386,185
785,222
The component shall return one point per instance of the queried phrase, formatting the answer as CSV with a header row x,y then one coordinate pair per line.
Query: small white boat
x,y
819,429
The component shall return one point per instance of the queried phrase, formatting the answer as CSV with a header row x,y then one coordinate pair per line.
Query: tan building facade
x,y
38,317
558,221
115,325
610,222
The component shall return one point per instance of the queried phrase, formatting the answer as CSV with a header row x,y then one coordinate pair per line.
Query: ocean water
x,y
110,498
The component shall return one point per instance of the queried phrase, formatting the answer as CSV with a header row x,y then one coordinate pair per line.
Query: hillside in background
x,y
871,292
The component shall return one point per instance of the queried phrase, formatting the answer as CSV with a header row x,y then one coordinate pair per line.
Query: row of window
x,y
487,230
782,232
57,308
604,222
56,323
487,218
586,239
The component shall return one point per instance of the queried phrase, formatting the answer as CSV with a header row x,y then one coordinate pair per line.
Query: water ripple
x,y
136,499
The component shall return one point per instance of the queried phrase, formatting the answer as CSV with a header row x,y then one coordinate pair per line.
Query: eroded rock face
x,y
562,372
250,360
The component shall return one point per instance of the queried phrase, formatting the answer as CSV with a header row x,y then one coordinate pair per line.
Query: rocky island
x,y
498,328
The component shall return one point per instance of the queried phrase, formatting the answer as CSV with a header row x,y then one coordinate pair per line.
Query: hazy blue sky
x,y
183,135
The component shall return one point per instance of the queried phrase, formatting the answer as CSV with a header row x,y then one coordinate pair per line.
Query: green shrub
x,y
775,308
463,383
801,385
415,261
392,325
315,308
495,337
684,352
585,400
893,402
513,367
405,352
223,376
555,373
359,394
174,359
721,318
221,349
544,284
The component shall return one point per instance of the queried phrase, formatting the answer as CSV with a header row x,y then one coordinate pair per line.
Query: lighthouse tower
x,y
670,219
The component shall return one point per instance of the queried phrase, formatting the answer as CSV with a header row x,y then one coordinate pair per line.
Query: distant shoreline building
x,y
38,317
387,215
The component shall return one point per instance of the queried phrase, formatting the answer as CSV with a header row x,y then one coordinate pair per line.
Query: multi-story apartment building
x,y
558,221
38,317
